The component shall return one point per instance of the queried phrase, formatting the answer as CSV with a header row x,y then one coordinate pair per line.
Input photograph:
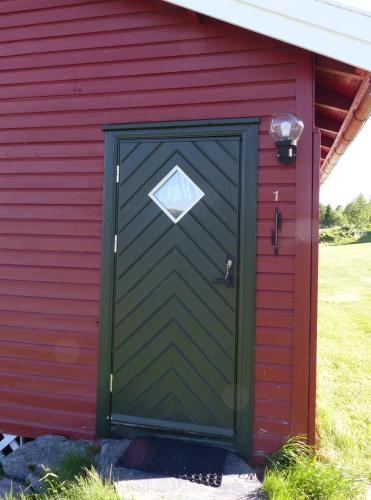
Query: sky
x,y
358,4
352,174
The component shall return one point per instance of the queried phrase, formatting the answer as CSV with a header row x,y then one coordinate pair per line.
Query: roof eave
x,y
356,117
325,28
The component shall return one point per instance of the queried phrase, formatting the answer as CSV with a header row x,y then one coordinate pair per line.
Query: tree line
x,y
356,214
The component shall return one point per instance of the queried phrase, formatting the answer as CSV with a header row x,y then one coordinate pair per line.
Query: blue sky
x,y
352,174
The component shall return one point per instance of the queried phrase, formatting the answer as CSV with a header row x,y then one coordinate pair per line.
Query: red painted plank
x,y
150,66
276,175
275,300
51,259
30,304
76,11
167,97
272,391
50,274
54,418
53,244
133,52
146,82
25,5
51,212
273,336
279,282
272,373
37,90
52,321
49,337
107,23
62,371
279,264
50,182
50,401
47,385
266,426
52,135
274,317
66,150
185,80
156,34
270,409
50,165
54,353
47,228
277,355
51,290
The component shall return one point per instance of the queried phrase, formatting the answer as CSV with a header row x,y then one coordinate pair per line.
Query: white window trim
x,y
158,186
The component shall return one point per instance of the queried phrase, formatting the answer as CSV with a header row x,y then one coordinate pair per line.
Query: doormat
x,y
171,457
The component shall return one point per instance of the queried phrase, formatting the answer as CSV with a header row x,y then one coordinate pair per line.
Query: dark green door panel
x,y
174,342
175,348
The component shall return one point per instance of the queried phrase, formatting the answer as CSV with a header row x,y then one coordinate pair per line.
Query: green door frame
x,y
247,130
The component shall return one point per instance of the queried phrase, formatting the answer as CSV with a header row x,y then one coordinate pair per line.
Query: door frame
x,y
247,130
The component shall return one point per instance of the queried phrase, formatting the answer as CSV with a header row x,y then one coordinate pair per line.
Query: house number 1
x,y
275,194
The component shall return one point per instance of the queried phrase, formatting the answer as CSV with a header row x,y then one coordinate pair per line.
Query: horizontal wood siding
x,y
67,67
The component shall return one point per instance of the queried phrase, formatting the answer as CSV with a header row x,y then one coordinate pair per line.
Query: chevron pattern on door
x,y
174,347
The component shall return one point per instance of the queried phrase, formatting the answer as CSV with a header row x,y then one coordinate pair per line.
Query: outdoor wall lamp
x,y
286,129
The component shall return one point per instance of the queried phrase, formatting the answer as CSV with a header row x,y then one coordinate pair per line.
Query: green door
x,y
176,287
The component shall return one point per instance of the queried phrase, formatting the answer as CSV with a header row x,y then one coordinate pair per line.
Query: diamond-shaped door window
x,y
176,194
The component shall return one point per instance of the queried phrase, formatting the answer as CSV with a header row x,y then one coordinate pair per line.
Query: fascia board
x,y
322,27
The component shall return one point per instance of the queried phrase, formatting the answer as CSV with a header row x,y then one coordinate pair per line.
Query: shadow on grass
x,y
366,238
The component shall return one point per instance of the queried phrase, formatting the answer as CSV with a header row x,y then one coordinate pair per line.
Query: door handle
x,y
276,230
228,279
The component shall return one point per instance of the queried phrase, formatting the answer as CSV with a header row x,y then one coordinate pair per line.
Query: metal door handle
x,y
277,228
228,279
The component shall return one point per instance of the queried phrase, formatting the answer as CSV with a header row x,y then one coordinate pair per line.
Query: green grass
x,y
344,353
295,473
74,479
85,486
74,463
342,466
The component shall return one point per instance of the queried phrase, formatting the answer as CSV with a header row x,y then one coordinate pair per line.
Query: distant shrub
x,y
339,234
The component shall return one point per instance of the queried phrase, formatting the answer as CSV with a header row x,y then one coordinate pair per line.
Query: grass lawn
x,y
343,466
344,356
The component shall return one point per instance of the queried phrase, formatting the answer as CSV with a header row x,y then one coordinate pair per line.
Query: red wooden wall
x,y
66,68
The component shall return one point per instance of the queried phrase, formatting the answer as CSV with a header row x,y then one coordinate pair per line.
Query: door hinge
x,y
115,244
117,174
111,382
